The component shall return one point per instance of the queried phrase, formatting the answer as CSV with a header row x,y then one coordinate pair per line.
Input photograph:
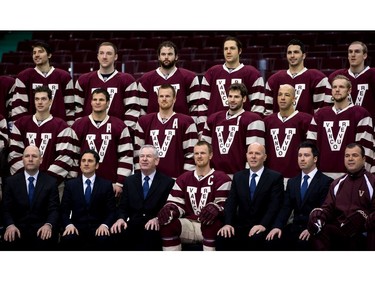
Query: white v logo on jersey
x,y
335,144
44,137
281,150
362,88
192,190
224,147
90,138
220,83
167,141
298,92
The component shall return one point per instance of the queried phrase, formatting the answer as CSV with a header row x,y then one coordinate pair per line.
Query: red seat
x,y
334,63
143,54
133,43
131,66
274,51
313,62
322,50
197,66
208,53
153,42
84,67
187,53
145,66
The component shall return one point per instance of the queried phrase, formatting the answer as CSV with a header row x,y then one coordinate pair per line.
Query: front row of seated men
x,y
156,212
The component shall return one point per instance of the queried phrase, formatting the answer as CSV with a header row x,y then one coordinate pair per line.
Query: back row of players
x,y
171,108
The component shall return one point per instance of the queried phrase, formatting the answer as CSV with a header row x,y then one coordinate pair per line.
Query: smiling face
x,y
40,56
99,103
295,56
148,160
285,97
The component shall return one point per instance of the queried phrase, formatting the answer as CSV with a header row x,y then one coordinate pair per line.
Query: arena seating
x,y
198,50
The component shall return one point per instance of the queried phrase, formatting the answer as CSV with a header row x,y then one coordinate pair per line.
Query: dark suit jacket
x,y
101,210
134,207
43,209
241,211
315,195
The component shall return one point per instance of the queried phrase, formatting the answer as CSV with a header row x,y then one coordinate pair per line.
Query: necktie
x,y
253,185
31,188
146,186
304,186
88,191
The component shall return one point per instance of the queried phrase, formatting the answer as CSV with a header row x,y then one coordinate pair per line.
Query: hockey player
x,y
194,208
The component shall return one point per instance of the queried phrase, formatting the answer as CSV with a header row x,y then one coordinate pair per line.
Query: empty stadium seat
x,y
313,62
208,53
145,66
131,66
333,63
153,42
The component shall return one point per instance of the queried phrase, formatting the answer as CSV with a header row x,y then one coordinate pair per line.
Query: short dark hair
x,y
90,151
231,38
44,88
238,87
309,144
298,43
43,45
108,44
102,91
168,86
354,144
169,44
203,142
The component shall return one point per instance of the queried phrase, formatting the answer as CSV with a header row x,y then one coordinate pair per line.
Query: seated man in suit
x,y
88,208
144,194
194,209
303,193
30,206
254,200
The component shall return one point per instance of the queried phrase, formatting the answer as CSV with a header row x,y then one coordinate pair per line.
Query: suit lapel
x,y
139,184
22,187
262,182
38,187
154,185
298,189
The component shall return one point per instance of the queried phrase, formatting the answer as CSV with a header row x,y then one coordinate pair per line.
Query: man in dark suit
x,y
253,203
30,207
300,201
88,208
144,194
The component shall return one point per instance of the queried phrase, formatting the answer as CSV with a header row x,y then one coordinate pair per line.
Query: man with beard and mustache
x,y
332,128
231,131
185,82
